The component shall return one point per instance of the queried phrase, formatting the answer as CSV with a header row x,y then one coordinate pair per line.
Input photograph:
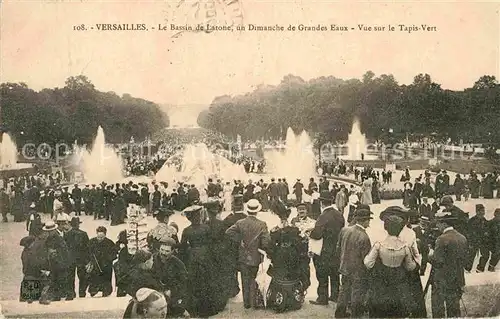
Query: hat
x,y
363,214
446,200
301,205
479,206
325,195
32,205
238,203
161,213
280,209
26,241
174,225
425,219
49,225
167,240
443,216
192,209
75,221
58,206
253,206
394,211
143,294
213,206
62,218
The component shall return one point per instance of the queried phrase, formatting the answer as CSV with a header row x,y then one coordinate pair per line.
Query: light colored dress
x,y
366,195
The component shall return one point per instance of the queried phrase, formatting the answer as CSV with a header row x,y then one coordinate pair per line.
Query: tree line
x,y
326,107
74,112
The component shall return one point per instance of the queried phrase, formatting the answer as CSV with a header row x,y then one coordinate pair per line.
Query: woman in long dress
x,y
219,248
389,262
376,191
407,235
196,255
366,195
228,198
289,268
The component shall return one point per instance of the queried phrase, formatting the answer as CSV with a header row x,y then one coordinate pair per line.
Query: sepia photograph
x,y
249,159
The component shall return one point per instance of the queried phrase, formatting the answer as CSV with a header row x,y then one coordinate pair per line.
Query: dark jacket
x,y
352,247
449,260
328,227
78,245
253,235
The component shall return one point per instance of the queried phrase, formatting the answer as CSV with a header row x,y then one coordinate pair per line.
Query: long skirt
x,y
204,301
285,295
418,309
390,292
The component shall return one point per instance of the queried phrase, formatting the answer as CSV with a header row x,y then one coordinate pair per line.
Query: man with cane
x,y
448,261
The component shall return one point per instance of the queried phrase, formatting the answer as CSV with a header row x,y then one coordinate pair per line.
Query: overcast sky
x,y
39,46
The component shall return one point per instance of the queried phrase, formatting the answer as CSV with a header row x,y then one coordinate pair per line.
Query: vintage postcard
x,y
249,159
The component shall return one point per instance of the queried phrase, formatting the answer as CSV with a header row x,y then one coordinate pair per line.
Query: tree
x,y
328,105
63,115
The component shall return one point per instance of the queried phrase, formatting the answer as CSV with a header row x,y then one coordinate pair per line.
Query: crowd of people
x,y
196,273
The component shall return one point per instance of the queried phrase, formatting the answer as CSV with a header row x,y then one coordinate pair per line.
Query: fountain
x,y
102,163
357,144
8,152
9,166
297,160
197,164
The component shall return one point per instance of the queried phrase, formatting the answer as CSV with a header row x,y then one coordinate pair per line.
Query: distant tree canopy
x,y
63,115
327,105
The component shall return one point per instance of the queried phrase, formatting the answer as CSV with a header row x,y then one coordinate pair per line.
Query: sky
x,y
40,47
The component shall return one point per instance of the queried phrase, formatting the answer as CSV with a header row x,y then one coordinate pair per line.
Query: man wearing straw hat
x,y
253,236
448,261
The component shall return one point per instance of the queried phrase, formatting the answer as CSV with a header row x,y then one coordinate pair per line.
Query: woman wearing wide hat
x,y
196,255
389,262
408,236
221,258
163,228
289,269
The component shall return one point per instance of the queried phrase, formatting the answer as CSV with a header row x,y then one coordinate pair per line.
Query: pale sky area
x,y
40,48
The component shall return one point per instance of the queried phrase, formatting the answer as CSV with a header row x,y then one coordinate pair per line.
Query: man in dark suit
x,y
478,239
352,247
253,236
425,209
417,190
273,189
461,217
327,227
233,251
424,236
76,195
77,241
448,261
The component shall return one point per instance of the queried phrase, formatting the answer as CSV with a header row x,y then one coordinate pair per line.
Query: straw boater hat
x,y
49,225
253,206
